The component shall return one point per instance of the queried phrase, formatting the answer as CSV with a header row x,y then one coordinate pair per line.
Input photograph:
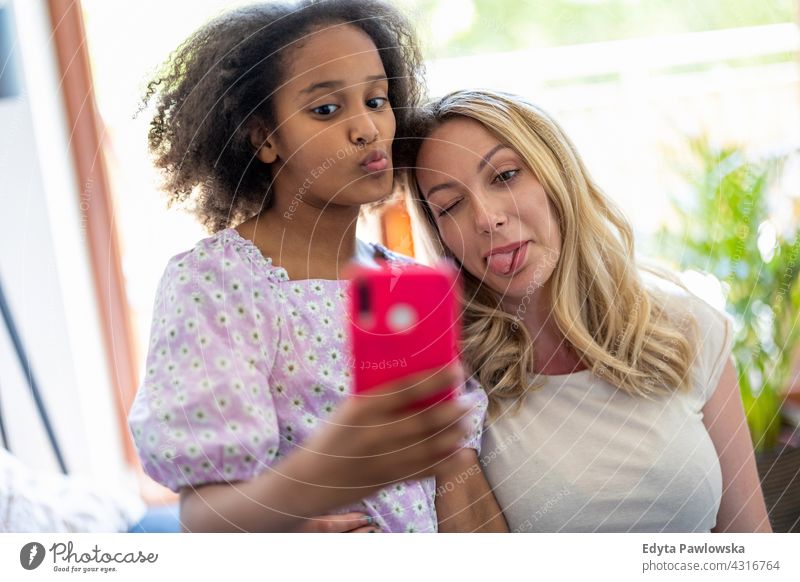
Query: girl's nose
x,y
363,130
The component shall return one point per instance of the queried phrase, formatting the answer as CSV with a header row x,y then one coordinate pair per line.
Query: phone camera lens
x,y
364,306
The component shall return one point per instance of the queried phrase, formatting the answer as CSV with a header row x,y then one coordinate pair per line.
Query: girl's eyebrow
x,y
337,84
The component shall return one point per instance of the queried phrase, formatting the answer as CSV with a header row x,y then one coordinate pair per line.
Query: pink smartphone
x,y
403,319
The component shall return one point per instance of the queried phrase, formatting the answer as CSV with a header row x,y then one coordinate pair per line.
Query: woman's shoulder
x,y
380,251
688,299
697,309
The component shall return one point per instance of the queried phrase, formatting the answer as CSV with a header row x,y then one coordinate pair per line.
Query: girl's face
x,y
335,125
491,211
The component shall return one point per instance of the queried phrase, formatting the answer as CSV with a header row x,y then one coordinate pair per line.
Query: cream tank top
x,y
583,456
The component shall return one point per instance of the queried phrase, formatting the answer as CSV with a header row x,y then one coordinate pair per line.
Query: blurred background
x,y
679,108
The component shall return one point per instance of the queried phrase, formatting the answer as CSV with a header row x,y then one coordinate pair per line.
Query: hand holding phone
x,y
403,320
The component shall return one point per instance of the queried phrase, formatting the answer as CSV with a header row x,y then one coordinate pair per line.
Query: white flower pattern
x,y
244,364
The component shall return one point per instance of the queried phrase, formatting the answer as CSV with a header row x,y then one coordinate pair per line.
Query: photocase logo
x,y
31,555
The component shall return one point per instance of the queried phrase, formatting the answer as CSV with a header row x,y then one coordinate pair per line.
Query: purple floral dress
x,y
243,365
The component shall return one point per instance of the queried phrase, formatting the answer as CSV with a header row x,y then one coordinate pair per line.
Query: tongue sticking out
x,y
500,263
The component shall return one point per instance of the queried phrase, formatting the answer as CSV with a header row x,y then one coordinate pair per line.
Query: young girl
x,y
614,402
277,122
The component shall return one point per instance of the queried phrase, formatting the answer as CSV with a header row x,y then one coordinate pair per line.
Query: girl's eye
x,y
449,208
326,109
506,176
377,102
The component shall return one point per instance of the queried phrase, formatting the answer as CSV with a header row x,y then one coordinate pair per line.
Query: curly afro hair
x,y
219,82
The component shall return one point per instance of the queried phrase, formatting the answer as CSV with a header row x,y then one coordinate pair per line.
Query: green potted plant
x,y
725,229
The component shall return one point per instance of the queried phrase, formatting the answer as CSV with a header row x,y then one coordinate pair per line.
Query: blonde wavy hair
x,y
619,328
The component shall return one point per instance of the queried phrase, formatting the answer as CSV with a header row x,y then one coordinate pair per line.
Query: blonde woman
x,y
614,403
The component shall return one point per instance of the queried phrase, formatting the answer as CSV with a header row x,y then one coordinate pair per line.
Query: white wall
x,y
631,105
45,271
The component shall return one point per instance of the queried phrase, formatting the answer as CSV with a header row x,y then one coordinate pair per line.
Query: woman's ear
x,y
263,144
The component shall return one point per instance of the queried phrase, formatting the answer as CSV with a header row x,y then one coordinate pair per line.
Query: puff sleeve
x,y
475,398
204,412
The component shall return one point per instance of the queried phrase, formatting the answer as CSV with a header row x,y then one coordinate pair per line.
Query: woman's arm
x,y
742,508
370,442
464,501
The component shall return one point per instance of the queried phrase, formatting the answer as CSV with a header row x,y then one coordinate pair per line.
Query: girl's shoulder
x,y
227,258
225,254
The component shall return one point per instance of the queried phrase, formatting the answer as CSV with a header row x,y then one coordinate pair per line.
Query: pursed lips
x,y
375,161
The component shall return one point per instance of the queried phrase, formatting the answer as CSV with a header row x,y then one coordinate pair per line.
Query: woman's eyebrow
x,y
439,187
485,160
338,84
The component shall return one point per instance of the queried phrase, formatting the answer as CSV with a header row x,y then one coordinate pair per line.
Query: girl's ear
x,y
263,144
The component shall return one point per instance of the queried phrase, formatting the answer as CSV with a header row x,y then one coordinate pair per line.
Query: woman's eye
x,y
326,109
377,102
505,176
449,208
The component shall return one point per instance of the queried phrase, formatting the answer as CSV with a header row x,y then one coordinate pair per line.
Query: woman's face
x,y
491,211
333,143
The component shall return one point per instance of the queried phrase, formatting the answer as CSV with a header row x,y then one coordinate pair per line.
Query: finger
x,y
367,529
418,386
427,461
445,414
426,427
432,421
425,451
448,440
421,429
338,523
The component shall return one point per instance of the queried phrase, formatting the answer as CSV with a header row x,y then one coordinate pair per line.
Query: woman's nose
x,y
488,218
